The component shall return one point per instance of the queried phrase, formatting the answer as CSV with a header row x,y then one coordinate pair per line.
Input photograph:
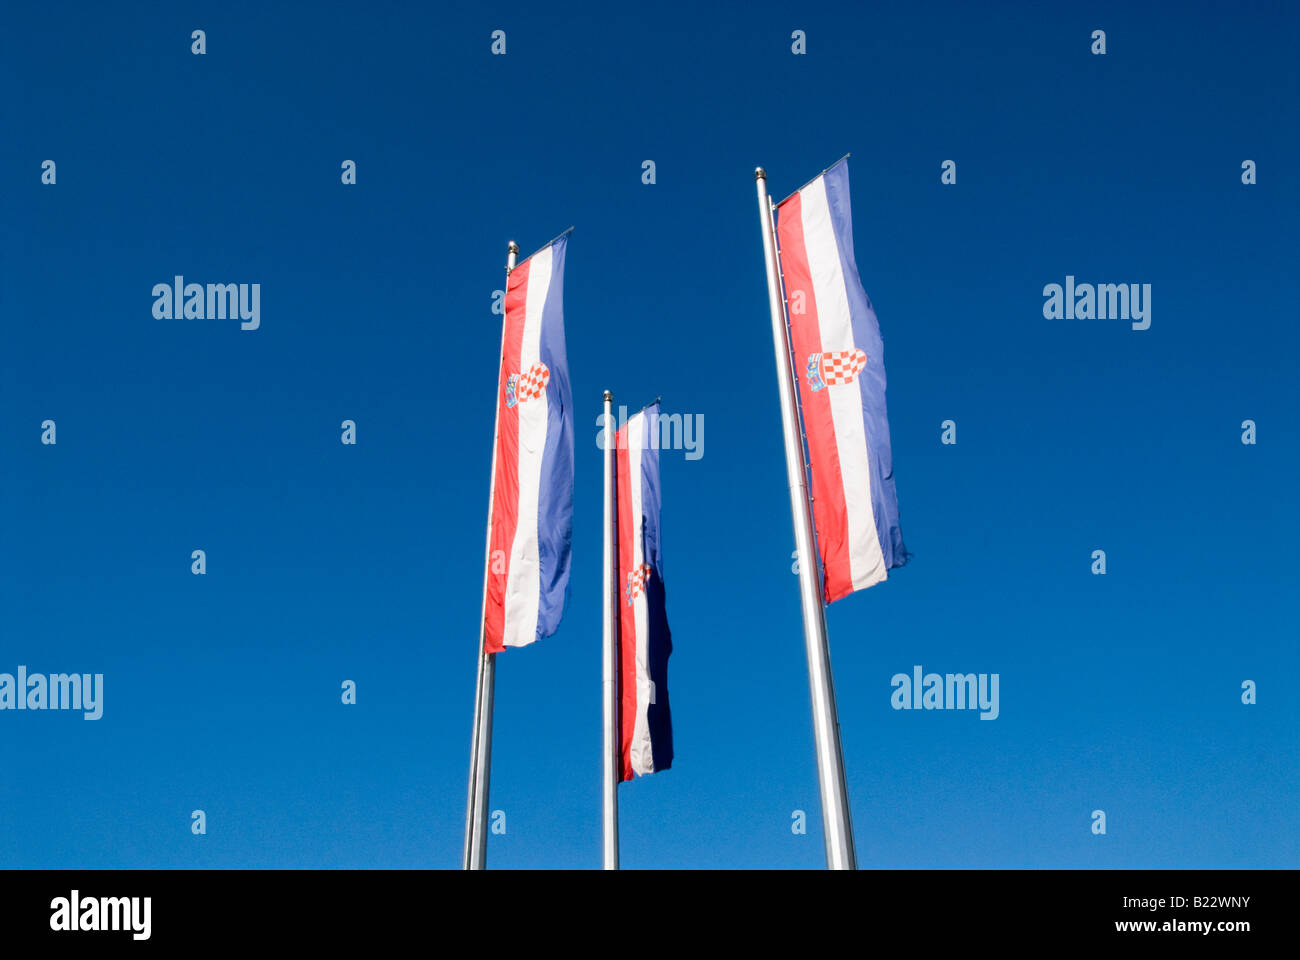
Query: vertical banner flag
x,y
646,730
839,362
532,484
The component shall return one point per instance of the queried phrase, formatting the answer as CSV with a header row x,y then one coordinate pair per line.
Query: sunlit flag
x,y
839,361
532,484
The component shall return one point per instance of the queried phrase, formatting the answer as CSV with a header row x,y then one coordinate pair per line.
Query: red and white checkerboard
x,y
533,383
842,366
636,582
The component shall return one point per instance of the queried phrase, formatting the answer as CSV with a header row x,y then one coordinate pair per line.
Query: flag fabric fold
x,y
646,735
532,484
838,359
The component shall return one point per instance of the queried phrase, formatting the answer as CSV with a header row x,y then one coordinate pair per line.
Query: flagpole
x,y
480,757
836,823
609,659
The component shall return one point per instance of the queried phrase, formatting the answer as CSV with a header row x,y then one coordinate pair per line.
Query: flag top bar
x,y
823,173
548,243
649,405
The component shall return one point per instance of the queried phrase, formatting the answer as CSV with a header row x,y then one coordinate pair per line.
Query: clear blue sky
x,y
329,562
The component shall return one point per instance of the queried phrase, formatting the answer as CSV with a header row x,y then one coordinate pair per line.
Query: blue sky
x,y
329,562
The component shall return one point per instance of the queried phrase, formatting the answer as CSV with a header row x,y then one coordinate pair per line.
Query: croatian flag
x,y
532,479
646,728
839,361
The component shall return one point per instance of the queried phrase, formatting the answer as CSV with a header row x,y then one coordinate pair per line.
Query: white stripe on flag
x,y
524,583
866,562
641,749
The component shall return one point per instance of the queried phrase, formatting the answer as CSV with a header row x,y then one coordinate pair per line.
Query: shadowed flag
x,y
646,729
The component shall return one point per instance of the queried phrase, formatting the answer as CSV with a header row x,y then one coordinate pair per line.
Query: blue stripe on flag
x,y
660,644
871,382
555,496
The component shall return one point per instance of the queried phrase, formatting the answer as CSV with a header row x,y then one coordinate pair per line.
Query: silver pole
x,y
836,824
609,661
480,753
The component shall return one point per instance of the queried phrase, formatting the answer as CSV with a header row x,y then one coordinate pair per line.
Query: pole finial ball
x,y
608,396
513,247
760,173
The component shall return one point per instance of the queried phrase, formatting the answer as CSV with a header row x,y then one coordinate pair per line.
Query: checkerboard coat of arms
x,y
838,366
527,386
636,580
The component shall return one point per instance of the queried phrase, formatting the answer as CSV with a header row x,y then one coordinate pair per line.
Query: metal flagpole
x,y
609,660
836,825
480,754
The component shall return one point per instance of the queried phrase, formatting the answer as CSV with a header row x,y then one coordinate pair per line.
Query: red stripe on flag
x,y
830,515
505,482
627,529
